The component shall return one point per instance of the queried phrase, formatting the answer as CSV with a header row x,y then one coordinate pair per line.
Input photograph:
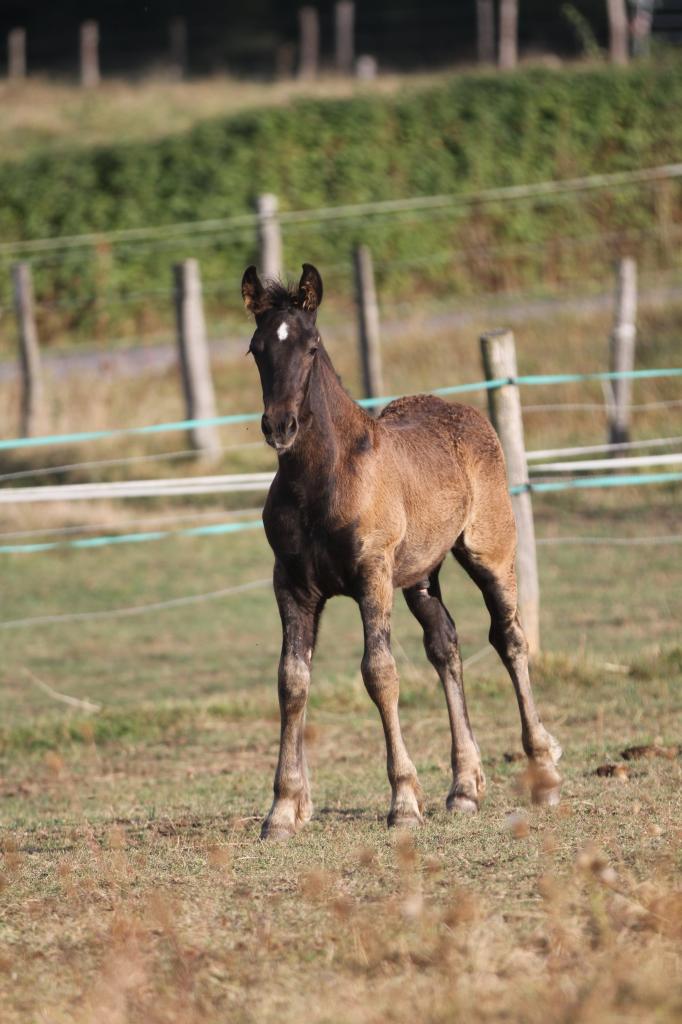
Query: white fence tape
x,y
192,485
578,465
596,449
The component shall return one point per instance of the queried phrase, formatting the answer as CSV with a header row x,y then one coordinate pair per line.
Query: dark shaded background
x,y
244,38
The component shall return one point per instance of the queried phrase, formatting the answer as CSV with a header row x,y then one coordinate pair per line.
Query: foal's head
x,y
284,346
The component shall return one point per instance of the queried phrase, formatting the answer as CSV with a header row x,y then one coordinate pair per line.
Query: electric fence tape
x,y
250,417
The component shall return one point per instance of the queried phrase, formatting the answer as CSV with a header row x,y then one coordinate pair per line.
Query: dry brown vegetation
x,y
41,114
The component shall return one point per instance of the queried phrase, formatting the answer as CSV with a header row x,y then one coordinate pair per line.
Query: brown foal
x,y
360,506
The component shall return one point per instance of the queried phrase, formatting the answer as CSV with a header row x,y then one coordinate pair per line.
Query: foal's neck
x,y
336,429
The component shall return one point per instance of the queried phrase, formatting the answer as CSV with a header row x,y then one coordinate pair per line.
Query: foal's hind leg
x,y
496,579
442,649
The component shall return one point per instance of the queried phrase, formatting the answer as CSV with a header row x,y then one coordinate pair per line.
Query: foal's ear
x,y
253,292
309,289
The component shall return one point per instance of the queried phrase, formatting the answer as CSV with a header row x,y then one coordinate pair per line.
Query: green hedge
x,y
473,132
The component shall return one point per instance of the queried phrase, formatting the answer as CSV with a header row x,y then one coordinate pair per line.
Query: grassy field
x,y
133,886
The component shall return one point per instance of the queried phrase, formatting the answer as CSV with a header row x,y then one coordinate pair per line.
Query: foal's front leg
x,y
381,679
292,806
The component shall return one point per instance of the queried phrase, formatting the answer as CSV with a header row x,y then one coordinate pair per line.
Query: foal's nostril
x,y
290,425
279,431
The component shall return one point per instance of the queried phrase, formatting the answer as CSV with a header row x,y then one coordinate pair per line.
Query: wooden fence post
x,y
622,350
177,40
195,362
368,323
32,419
618,31
509,34
504,403
485,31
344,25
90,54
16,53
309,42
269,236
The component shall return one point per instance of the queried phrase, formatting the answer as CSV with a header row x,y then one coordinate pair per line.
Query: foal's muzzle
x,y
280,431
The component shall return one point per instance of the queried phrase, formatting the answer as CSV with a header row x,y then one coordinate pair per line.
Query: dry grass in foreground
x,y
134,886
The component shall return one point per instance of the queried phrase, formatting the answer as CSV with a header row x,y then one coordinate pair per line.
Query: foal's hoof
x,y
547,797
276,833
405,821
545,786
466,794
462,805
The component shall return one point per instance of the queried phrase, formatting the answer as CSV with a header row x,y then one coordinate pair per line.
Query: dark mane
x,y
279,295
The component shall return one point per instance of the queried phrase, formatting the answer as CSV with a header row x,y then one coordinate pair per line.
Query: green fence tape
x,y
251,417
130,538
571,378
626,480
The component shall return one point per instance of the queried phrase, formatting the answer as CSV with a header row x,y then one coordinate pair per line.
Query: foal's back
x,y
426,427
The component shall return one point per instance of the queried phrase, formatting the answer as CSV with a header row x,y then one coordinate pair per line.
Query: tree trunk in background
x,y
618,31
485,28
641,27
309,44
16,53
90,54
344,24
509,32
177,39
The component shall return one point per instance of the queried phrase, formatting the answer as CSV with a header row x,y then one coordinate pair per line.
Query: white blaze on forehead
x,y
282,332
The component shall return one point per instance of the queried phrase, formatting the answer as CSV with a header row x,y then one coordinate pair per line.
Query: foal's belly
x,y
329,558
413,567
414,561
429,534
